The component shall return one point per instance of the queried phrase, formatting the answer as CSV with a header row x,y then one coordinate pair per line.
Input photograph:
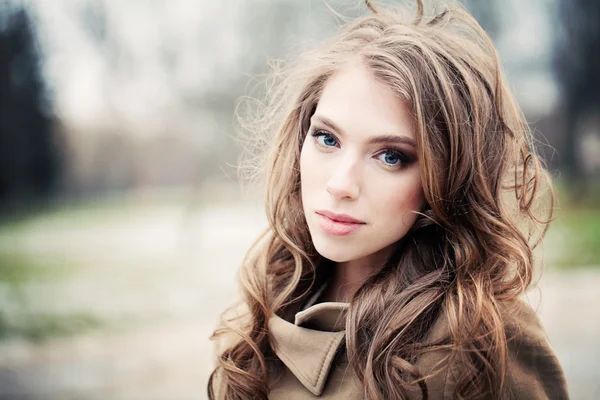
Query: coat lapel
x,y
309,345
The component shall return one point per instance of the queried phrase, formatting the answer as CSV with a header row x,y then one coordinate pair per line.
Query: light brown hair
x,y
469,251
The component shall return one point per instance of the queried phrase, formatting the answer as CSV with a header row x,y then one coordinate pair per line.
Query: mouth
x,y
343,218
338,224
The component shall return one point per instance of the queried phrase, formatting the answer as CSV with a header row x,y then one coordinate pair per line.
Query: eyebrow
x,y
381,139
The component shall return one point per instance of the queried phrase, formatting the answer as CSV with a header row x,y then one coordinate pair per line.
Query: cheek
x,y
406,196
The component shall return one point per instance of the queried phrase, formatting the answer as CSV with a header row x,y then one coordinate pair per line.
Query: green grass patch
x,y
42,327
576,235
107,207
17,268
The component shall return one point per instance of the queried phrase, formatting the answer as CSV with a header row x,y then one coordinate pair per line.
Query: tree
x,y
29,161
577,62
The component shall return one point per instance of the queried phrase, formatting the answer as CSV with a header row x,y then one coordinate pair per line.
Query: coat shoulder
x,y
533,370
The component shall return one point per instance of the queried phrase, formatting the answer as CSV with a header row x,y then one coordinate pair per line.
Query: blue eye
x,y
325,139
390,158
328,140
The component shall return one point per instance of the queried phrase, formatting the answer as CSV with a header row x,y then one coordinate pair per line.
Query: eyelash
x,y
404,160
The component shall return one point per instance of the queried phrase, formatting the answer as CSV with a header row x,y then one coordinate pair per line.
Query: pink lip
x,y
338,224
339,217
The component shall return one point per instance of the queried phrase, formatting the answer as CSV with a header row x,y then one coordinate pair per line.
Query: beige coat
x,y
310,345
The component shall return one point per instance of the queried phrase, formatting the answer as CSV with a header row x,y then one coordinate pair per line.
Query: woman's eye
x,y
325,139
390,158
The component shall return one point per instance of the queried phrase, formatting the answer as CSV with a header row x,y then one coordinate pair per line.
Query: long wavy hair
x,y
470,250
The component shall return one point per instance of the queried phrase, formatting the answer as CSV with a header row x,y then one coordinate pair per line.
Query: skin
x,y
343,171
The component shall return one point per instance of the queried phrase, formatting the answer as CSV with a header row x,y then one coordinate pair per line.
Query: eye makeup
x,y
328,140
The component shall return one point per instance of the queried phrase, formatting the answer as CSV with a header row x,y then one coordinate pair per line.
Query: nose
x,y
344,181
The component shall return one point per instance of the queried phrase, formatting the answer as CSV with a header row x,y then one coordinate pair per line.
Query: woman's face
x,y
360,177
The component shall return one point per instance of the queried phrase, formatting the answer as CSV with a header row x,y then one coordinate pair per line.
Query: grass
x,y
573,240
576,232
28,262
39,327
17,268
16,318
114,206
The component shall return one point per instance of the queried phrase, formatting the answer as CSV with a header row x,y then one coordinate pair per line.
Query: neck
x,y
349,276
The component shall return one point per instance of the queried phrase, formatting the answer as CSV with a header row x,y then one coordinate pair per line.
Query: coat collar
x,y
309,345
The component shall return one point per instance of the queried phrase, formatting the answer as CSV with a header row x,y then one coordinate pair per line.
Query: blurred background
x,y
122,223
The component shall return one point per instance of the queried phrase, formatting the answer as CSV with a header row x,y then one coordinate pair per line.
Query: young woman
x,y
401,192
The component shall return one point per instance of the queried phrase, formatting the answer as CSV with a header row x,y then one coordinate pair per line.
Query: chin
x,y
335,253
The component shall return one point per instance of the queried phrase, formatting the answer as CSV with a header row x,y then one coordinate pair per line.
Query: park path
x,y
171,270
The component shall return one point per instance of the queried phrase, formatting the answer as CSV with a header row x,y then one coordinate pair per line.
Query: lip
x,y
345,218
338,224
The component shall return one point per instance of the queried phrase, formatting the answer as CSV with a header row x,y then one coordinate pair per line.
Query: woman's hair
x,y
469,251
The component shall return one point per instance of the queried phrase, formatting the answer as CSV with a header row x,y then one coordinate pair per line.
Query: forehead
x,y
360,104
